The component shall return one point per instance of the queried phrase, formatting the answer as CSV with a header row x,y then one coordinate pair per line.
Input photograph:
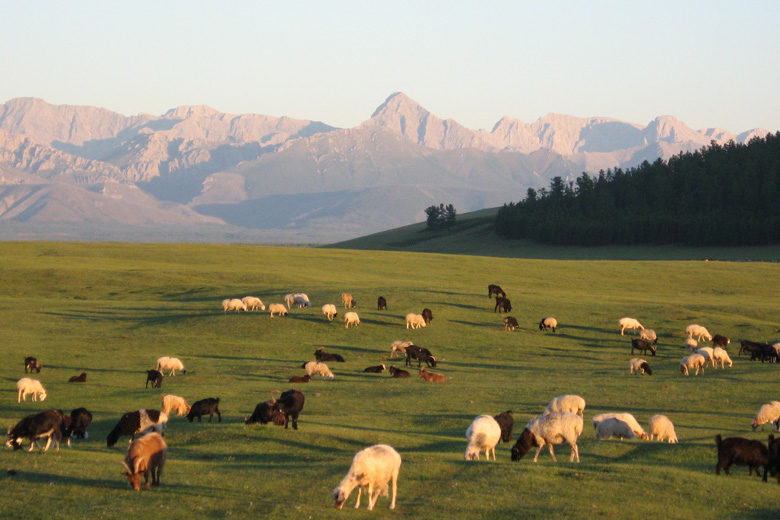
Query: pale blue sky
x,y
709,63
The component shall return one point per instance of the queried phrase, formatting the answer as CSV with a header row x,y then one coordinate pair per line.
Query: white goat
x,y
28,386
351,318
483,434
373,469
170,363
662,428
416,321
566,403
629,323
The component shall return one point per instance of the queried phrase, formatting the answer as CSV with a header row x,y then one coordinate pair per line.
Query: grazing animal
x,y
720,341
329,310
415,321
649,335
768,413
502,304
432,377
378,369
27,386
81,378
698,331
170,363
506,422
625,417
554,428
750,346
277,308
351,318
372,469
662,429
691,344
176,404
209,406
289,300
640,365
510,323
721,355
253,303
642,346
708,353
144,456
566,403
614,428
43,424
301,300
420,354
300,379
156,378
773,465
381,303
742,452
495,290
398,346
318,367
80,418
690,362
321,355
629,324
32,364
289,404
264,413
548,323
233,304
397,372
137,422
483,433
348,301
427,315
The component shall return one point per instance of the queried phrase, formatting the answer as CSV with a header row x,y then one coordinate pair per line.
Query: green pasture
x,y
113,309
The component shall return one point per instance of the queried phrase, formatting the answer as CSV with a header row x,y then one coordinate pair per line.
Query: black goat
x,y
773,465
279,411
495,289
420,354
156,377
378,369
505,421
209,406
381,303
742,452
502,304
80,418
642,346
321,355
750,346
81,378
43,424
720,341
32,364
264,413
427,315
136,422
397,372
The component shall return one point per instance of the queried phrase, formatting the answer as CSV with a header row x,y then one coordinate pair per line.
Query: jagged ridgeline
x,y
721,195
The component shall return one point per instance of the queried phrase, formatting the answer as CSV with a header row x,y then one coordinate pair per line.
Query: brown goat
x,y
81,378
432,377
300,379
146,454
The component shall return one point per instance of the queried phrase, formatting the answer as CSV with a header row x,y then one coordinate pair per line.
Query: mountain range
x,y
197,174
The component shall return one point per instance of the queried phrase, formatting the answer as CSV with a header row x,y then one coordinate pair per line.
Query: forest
x,y
719,195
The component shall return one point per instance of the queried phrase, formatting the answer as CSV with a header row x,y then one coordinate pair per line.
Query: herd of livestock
x,y
375,469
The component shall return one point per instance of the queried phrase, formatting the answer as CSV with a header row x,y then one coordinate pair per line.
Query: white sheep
x,y
289,299
399,346
629,323
662,428
170,363
277,308
708,353
233,304
253,303
691,344
614,427
329,310
372,468
721,355
698,331
623,416
547,430
649,335
768,413
351,318
28,386
317,367
175,403
566,403
690,362
301,300
548,323
483,434
415,321
640,365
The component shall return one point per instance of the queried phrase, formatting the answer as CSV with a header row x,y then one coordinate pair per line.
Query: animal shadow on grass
x,y
40,478
496,325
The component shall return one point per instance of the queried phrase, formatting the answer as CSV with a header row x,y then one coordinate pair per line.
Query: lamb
x,y
691,344
768,413
351,318
720,341
321,355
398,346
233,304
548,323
372,468
137,422
510,323
378,369
432,377
348,300
649,335
662,428
548,430
708,353
626,418
629,323
427,315
640,365
416,321
277,308
397,373
329,310
209,405
176,404
642,346
316,367
742,452
253,303
81,378
43,424
31,363
28,386
721,355
156,378
381,303
698,331
566,403
690,362
170,363
506,422
483,433
614,427
145,455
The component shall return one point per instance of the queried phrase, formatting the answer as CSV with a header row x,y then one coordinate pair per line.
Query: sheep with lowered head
x,y
233,304
351,318
566,403
373,469
548,323
175,403
691,344
768,413
719,354
649,335
170,363
662,429
483,434
629,323
277,308
614,428
623,416
416,321
694,361
329,310
548,430
27,386
708,353
698,331
640,365
253,303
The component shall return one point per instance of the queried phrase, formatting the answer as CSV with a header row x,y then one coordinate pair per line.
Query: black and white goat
x,y
135,422
420,354
43,424
378,369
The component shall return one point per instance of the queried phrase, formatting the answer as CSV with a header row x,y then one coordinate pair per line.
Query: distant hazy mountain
x,y
96,174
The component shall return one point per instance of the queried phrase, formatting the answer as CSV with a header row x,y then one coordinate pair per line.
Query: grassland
x,y
112,309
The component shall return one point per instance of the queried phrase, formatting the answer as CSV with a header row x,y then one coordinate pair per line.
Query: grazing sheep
x,y
548,430
502,304
642,346
483,433
145,455
510,323
661,428
416,321
506,422
721,355
614,427
289,300
321,355
742,452
649,335
348,301
640,365
372,469
381,303
209,405
329,310
566,403
351,318
427,315
300,379
495,290
398,373
698,331
28,386
629,323
81,378
277,308
768,413
233,304
626,418
398,346
690,362
176,404
691,344
720,341
170,363
432,377
378,369
253,303
156,378
32,364
708,353
301,300
135,422
548,323
316,367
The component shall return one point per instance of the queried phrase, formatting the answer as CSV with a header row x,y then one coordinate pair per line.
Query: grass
x,y
112,309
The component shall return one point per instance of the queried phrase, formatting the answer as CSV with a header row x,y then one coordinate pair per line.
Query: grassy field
x,y
113,309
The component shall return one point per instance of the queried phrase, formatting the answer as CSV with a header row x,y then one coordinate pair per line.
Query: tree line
x,y
720,195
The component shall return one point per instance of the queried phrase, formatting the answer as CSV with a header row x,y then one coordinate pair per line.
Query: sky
x,y
708,63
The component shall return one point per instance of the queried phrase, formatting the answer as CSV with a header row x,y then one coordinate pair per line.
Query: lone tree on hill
x,y
441,216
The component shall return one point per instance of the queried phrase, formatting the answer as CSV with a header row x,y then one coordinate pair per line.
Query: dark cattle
x,y
321,355
376,369
420,354
381,303
642,346
510,323
81,378
289,404
495,290
742,452
502,304
80,419
209,406
427,315
397,372
136,422
155,377
44,424
505,421
773,464
32,364
720,341
300,379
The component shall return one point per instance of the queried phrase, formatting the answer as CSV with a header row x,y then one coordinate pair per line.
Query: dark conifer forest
x,y
720,195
